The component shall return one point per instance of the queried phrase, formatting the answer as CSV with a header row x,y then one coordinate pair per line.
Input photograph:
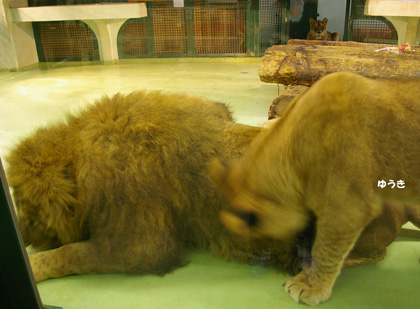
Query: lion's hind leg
x,y
353,260
90,258
74,258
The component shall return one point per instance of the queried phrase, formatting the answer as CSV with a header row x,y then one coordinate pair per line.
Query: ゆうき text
x,y
391,183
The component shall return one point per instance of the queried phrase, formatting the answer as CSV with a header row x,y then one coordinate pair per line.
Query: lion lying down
x,y
123,187
328,157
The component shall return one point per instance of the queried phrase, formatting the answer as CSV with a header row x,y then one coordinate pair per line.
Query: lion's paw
x,y
304,289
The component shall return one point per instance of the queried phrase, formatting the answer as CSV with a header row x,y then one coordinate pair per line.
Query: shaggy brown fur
x,y
324,159
319,31
123,187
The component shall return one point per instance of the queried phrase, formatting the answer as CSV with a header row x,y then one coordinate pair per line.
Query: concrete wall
x,y
17,44
335,11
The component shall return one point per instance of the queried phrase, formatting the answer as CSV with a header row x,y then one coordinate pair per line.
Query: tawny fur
x,y
123,187
318,31
324,158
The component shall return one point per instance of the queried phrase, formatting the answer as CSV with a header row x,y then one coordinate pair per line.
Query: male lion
x,y
325,158
123,187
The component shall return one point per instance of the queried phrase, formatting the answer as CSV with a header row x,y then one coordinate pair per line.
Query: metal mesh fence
x,y
369,29
134,41
272,14
374,31
68,40
219,29
169,28
202,27
197,29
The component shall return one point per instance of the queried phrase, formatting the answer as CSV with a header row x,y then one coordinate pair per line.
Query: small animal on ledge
x,y
319,31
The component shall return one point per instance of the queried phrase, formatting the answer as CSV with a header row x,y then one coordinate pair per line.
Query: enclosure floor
x,y
36,97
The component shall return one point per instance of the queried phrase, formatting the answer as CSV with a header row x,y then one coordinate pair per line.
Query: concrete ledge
x,y
404,15
410,8
79,12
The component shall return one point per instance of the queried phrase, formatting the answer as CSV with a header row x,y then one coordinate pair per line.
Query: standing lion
x,y
328,158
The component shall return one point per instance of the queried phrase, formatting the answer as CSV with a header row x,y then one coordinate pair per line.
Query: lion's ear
x,y
228,176
325,21
311,21
218,172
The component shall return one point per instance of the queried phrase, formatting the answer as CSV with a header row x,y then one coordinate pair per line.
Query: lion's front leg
x,y
74,258
314,284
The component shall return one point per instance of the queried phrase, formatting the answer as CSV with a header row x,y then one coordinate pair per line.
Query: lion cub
x,y
326,158
319,31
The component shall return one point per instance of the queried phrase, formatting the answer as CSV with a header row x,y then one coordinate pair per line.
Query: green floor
x,y
35,97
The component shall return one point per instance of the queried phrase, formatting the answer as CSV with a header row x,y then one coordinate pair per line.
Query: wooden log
x,y
367,46
305,63
335,43
281,102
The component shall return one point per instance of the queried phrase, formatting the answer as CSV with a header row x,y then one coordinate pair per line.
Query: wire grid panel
x,y
271,14
67,41
169,28
373,31
220,29
134,39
